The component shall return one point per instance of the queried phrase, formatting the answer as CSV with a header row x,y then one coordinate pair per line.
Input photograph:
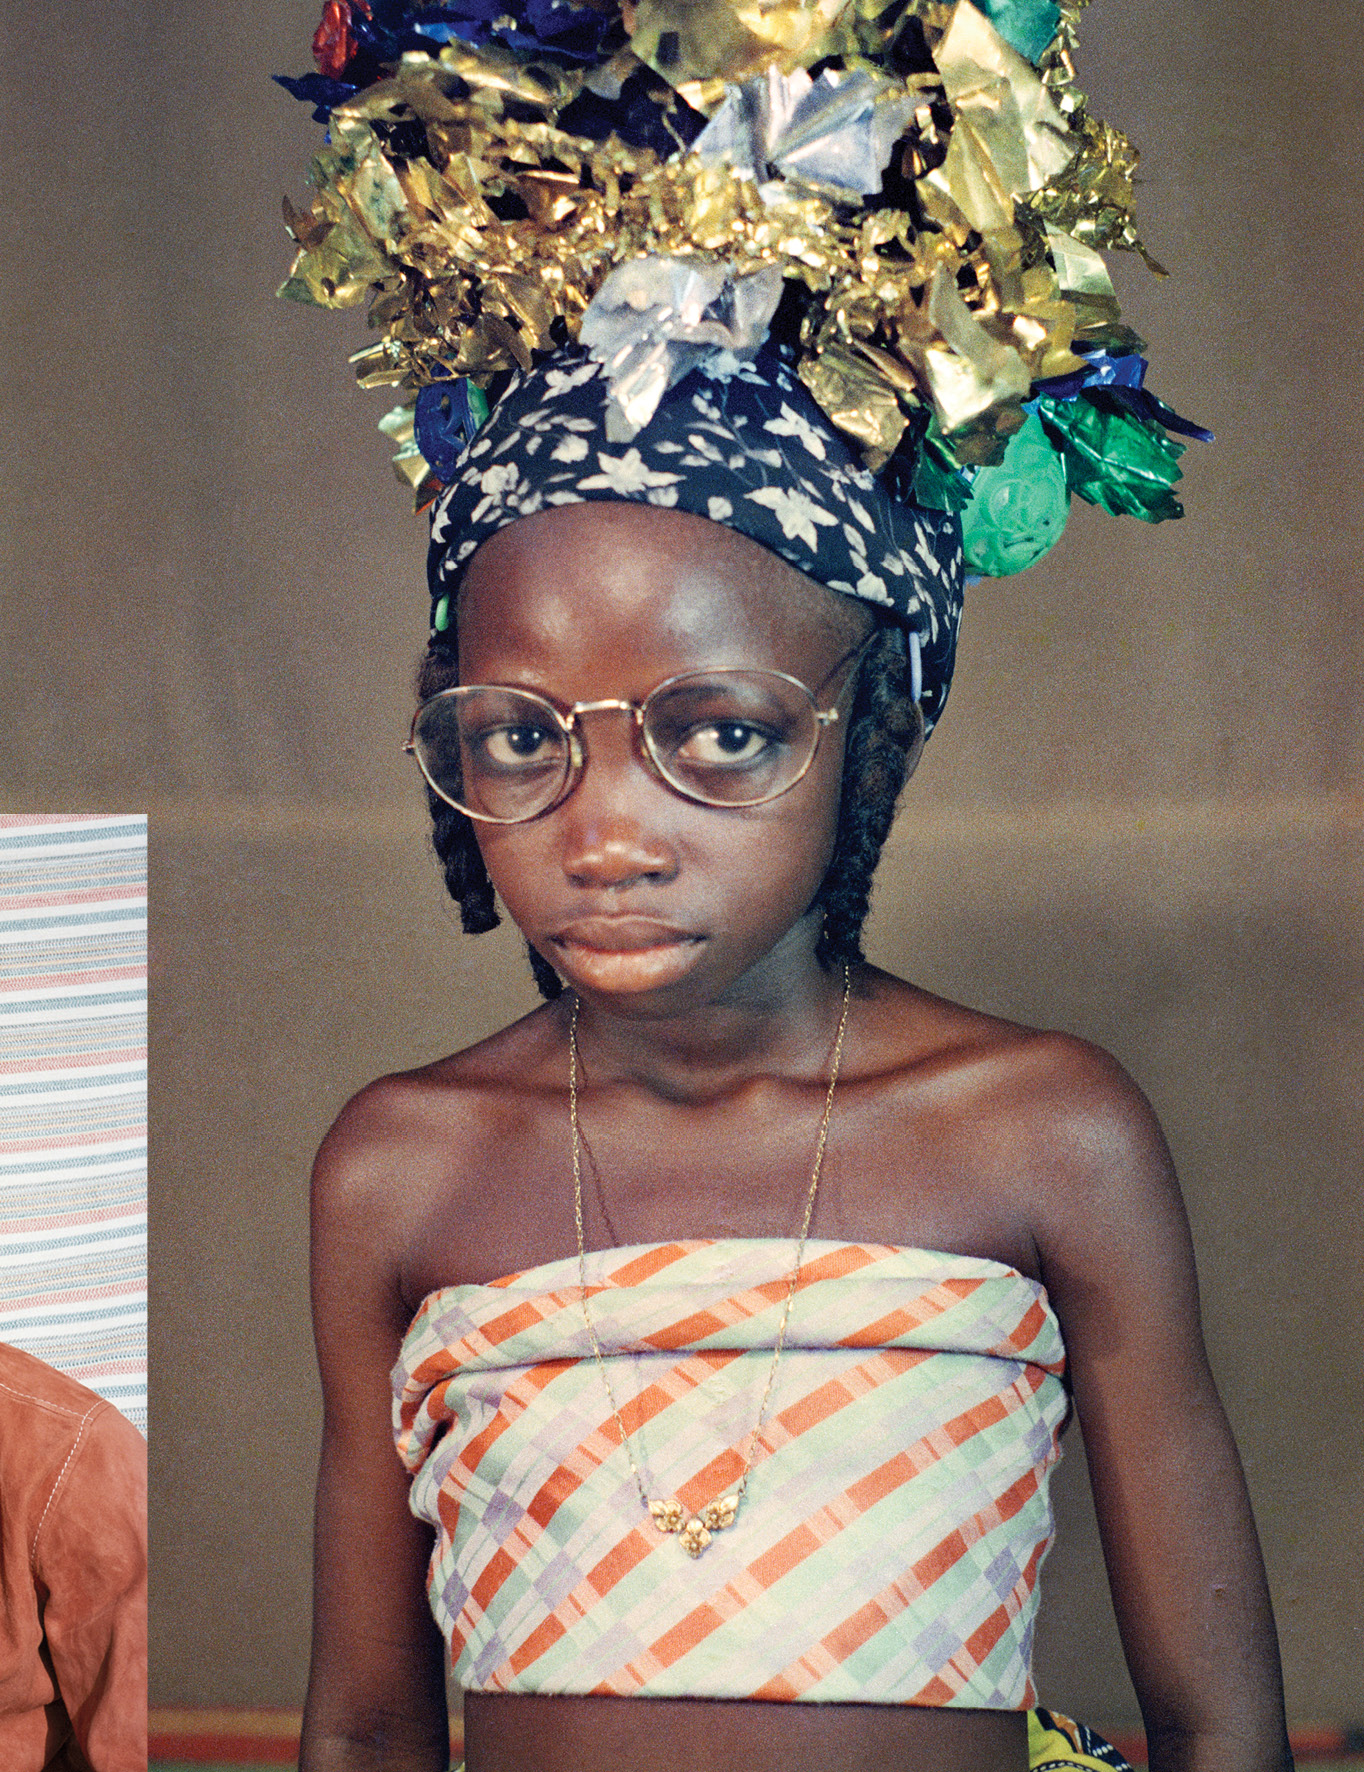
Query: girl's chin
x,y
625,971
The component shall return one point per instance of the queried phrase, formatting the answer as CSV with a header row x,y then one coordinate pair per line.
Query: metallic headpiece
x,y
912,197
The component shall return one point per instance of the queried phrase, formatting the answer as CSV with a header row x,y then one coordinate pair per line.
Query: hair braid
x,y
452,834
453,839
881,733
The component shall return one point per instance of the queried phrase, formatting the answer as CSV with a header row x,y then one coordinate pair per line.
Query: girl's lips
x,y
621,935
626,953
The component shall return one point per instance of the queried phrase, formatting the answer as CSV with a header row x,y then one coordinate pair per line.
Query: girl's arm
x,y
1183,1559
376,1694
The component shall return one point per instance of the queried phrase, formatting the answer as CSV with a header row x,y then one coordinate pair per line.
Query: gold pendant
x,y
695,1529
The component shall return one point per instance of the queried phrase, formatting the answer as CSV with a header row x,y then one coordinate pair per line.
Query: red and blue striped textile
x,y
73,1098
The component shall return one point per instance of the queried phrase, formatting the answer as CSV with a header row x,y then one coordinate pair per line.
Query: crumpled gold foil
x,y
853,388
1084,280
409,464
1093,198
992,88
700,40
965,368
338,263
491,247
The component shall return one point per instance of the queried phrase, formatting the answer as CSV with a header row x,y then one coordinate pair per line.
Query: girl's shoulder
x,y
470,1093
920,1042
415,1159
1019,1126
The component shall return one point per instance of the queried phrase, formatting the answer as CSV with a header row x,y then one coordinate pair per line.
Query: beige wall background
x,y
1141,819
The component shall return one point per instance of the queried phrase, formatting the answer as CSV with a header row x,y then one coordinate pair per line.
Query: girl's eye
x,y
511,747
723,744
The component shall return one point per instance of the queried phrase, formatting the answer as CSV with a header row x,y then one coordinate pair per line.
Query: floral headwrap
x,y
742,443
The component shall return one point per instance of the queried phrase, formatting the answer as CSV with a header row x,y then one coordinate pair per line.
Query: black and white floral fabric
x,y
740,442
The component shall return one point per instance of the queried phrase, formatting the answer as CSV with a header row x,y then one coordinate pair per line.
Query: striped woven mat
x,y
73,1098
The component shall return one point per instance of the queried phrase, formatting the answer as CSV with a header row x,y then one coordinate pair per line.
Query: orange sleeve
x,y
90,1565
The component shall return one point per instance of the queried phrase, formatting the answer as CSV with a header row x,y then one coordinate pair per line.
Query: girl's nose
x,y
617,854
614,822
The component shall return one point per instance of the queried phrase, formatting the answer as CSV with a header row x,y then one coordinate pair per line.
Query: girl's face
x,y
638,897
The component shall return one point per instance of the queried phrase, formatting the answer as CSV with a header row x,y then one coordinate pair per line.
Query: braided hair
x,y
882,731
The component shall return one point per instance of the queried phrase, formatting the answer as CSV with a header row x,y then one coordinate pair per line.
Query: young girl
x,y
730,1307
736,1221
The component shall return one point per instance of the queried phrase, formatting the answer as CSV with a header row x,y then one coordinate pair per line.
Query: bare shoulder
x,y
1047,1126
1069,1109
419,1148
1048,1084
461,1098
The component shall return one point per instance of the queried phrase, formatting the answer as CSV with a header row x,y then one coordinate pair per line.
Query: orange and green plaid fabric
x,y
888,1547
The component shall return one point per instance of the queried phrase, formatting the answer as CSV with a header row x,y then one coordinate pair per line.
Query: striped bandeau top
x,y
896,1516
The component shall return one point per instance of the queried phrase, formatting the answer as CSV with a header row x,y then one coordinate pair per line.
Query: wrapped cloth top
x,y
741,443
896,1514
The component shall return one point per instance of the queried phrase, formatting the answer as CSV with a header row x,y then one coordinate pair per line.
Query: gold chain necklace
x,y
670,1515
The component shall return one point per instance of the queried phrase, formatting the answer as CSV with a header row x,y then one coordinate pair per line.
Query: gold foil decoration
x,y
976,192
492,247
990,85
339,271
1057,66
409,464
702,40
1093,198
965,369
1084,277
857,397
380,366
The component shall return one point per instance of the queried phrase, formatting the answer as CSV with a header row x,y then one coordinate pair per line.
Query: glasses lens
x,y
731,738
498,754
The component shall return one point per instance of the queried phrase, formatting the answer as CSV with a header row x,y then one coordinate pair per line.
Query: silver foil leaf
x,y
653,319
837,131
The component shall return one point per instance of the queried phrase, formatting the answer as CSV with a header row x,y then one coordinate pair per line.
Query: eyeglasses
x,y
723,738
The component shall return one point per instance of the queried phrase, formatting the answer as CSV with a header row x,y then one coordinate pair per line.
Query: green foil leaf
x,y
1115,459
939,483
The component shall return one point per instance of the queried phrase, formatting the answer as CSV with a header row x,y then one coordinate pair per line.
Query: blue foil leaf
x,y
573,32
1154,407
317,90
1116,382
447,418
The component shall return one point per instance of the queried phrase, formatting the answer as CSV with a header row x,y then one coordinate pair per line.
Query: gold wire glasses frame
x,y
760,729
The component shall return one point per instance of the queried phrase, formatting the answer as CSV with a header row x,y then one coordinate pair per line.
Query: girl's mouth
x,y
622,934
625,953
